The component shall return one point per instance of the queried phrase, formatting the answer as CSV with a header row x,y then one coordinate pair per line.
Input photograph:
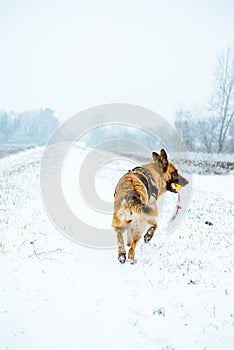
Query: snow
x,y
215,157
56,294
221,186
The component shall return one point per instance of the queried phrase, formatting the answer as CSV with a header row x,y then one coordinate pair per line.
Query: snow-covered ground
x,y
56,294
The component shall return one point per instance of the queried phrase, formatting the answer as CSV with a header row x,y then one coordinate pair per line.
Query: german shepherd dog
x,y
135,204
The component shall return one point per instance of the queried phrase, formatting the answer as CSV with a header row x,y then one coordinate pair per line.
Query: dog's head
x,y
174,181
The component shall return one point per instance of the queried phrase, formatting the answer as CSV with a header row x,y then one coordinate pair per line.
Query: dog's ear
x,y
163,159
156,157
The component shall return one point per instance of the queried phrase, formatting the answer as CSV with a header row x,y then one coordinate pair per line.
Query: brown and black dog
x,y
135,204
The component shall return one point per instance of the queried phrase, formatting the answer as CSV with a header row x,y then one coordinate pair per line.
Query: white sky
x,y
70,55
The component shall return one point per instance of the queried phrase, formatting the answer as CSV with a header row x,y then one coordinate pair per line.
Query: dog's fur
x,y
135,208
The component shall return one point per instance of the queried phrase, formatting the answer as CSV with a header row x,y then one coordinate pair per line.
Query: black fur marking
x,y
146,208
133,196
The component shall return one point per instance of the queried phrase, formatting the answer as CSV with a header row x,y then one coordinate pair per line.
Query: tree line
x,y
211,128
29,127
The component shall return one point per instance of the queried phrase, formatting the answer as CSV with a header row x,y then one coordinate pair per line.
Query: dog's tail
x,y
135,204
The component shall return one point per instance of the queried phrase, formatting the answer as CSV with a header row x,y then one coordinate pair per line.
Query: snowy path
x,y
55,294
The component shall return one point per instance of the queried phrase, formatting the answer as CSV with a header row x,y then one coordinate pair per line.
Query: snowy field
x,y
56,294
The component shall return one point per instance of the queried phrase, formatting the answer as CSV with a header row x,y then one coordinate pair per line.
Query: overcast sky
x,y
70,55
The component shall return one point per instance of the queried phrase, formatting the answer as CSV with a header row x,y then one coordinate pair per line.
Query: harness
x,y
145,177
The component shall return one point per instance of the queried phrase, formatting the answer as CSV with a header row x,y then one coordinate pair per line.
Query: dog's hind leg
x,y
121,249
129,237
131,252
149,234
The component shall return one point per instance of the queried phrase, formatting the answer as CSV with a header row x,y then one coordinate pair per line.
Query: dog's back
x,y
131,195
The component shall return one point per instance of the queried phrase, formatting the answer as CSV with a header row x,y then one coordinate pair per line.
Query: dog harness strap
x,y
147,181
143,179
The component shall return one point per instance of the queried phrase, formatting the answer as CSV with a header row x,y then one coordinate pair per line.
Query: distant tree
x,y
210,129
4,127
97,134
230,137
43,124
206,135
30,127
222,101
185,123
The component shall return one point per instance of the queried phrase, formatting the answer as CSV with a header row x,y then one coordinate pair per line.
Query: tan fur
x,y
128,213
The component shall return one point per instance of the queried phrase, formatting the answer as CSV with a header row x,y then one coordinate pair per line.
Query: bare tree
x,y
210,128
222,102
206,134
183,123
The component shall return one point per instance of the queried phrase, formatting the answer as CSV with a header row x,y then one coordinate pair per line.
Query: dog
x,y
135,201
